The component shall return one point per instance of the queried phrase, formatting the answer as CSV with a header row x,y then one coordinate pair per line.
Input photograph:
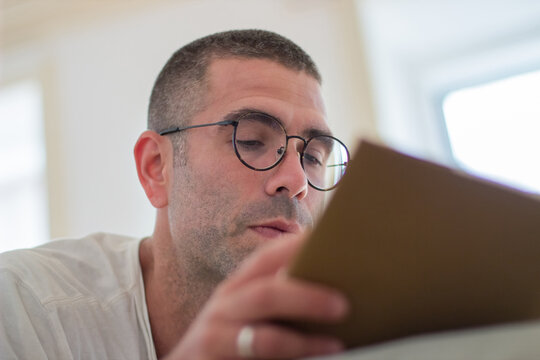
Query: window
x,y
23,200
494,129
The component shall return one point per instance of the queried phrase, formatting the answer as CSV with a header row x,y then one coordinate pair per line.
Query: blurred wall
x,y
97,64
420,50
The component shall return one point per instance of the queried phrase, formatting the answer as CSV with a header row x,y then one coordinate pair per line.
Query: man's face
x,y
220,210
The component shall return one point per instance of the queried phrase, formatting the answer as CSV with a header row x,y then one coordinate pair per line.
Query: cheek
x,y
231,174
225,181
201,199
316,201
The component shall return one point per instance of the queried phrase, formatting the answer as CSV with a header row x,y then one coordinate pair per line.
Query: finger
x,y
268,342
281,298
276,342
265,261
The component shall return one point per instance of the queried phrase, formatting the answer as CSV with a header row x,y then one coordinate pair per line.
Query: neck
x,y
174,296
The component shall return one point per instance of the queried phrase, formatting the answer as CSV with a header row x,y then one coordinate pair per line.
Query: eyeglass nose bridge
x,y
282,150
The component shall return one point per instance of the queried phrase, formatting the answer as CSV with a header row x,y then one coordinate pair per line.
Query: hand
x,y
255,295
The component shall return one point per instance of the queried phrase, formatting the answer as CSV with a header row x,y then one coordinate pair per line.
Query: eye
x,y
250,145
318,151
312,160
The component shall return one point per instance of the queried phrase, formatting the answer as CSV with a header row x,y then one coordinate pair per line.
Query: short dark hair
x,y
180,89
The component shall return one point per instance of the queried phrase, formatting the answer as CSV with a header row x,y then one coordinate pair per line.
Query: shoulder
x,y
49,291
70,268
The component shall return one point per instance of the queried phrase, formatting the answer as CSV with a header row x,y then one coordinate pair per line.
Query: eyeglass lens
x,y
260,143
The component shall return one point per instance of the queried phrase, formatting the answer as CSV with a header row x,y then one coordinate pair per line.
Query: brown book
x,y
418,248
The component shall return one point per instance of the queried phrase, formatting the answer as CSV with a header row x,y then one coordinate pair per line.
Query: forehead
x,y
292,96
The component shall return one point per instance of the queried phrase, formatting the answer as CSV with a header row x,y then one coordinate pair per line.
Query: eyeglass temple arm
x,y
177,129
334,165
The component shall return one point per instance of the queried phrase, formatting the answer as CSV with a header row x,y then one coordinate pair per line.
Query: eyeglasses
x,y
260,142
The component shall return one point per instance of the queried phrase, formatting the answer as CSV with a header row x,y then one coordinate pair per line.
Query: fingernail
x,y
332,346
282,273
339,306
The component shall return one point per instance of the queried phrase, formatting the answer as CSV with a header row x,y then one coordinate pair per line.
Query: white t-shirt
x,y
75,299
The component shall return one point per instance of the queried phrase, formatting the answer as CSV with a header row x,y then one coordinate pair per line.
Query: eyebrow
x,y
312,132
233,115
306,133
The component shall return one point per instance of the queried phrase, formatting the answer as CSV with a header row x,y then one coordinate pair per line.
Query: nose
x,y
288,177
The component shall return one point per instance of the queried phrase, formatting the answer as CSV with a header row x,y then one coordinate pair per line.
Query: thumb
x,y
266,261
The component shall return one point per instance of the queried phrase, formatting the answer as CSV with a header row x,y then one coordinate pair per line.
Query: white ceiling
x,y
446,26
27,20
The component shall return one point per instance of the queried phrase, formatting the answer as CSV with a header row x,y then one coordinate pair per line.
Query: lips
x,y
276,228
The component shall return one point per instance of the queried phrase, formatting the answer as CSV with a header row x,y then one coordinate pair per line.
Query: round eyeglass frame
x,y
235,123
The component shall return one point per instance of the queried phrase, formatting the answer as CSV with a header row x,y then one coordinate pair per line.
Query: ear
x,y
153,157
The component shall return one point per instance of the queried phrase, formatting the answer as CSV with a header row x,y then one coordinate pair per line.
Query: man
x,y
235,163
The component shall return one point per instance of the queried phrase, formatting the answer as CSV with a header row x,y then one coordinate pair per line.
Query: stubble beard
x,y
210,244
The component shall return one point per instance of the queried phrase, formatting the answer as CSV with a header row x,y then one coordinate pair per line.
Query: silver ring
x,y
244,342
